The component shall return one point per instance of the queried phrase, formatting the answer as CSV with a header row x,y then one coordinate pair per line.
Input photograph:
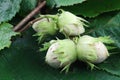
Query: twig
x,y
29,24
27,18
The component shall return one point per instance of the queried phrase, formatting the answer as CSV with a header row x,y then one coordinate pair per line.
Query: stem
x,y
29,16
29,24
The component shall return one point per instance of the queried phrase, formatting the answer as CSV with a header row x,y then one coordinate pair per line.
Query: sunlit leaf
x,y
6,32
8,9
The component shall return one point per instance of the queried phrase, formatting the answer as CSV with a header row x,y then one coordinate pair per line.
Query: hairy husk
x,y
90,49
70,24
45,26
62,53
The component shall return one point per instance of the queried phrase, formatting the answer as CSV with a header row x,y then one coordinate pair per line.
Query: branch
x,y
29,16
29,24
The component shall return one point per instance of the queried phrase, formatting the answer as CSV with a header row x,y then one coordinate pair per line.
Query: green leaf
x,y
27,6
106,25
6,33
50,3
59,3
8,9
92,8
111,65
23,62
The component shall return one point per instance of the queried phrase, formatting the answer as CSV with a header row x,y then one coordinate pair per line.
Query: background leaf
x,y
27,6
112,65
106,25
8,9
92,8
6,33
22,61
59,3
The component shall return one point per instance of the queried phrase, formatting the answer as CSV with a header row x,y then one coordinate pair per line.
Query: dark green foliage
x,y
8,9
